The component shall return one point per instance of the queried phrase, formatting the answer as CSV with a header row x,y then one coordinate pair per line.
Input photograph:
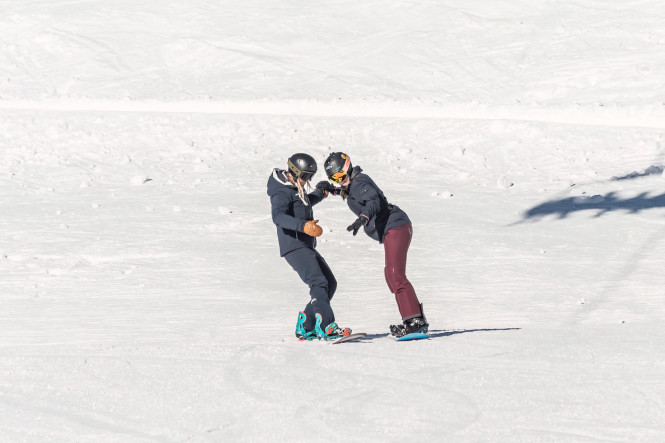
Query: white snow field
x,y
142,296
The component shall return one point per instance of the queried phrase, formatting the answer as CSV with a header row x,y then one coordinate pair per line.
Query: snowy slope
x,y
143,297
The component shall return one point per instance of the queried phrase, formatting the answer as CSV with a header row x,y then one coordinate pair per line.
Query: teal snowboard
x,y
414,336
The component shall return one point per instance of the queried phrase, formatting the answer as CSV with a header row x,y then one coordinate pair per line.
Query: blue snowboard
x,y
414,336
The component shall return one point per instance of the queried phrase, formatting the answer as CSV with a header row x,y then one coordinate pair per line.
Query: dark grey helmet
x,y
302,166
337,165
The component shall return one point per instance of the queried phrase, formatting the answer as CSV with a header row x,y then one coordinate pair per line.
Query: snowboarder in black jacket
x,y
297,230
383,222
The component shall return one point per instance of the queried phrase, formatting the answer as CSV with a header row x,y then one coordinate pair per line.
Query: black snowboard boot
x,y
411,326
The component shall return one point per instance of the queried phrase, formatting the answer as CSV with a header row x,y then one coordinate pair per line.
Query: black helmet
x,y
302,166
337,165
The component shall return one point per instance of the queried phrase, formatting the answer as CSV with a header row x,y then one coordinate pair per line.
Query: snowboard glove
x,y
311,228
361,221
327,188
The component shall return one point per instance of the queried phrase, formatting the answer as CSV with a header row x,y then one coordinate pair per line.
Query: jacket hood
x,y
278,180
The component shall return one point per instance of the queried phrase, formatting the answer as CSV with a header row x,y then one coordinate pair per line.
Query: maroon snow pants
x,y
396,244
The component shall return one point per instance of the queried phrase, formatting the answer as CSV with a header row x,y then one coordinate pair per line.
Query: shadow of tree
x,y
651,170
600,203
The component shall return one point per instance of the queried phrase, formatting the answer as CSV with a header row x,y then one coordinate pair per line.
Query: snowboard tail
x,y
356,336
335,339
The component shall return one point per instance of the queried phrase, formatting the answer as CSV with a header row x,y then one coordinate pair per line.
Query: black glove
x,y
327,187
361,221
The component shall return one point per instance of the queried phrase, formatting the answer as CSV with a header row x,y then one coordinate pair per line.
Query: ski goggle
x,y
306,176
338,176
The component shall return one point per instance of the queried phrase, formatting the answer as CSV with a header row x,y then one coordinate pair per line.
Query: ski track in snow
x,y
599,116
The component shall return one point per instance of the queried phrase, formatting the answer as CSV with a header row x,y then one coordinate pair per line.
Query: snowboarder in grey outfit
x,y
297,230
385,223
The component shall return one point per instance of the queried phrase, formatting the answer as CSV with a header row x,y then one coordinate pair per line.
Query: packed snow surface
x,y
142,296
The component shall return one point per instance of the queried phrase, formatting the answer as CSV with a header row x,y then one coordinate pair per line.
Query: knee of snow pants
x,y
314,272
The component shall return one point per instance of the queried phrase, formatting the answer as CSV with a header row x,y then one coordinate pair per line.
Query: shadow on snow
x,y
437,333
443,333
602,204
651,170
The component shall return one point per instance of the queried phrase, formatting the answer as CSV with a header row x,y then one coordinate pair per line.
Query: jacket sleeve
x,y
370,200
315,197
280,205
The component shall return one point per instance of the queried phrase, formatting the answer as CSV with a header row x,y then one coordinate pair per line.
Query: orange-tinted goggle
x,y
338,177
